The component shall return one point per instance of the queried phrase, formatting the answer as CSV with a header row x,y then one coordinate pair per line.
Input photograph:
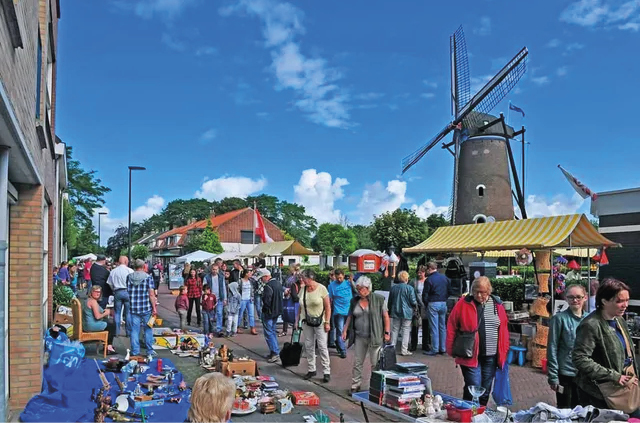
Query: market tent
x,y
86,256
538,233
204,256
281,248
576,252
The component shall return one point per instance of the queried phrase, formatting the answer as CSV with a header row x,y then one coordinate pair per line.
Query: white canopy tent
x,y
204,256
91,256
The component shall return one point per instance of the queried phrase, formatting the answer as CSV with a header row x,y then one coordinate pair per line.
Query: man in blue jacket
x,y
434,296
215,279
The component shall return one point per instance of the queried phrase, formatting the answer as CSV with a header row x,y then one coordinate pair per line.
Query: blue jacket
x,y
219,291
436,288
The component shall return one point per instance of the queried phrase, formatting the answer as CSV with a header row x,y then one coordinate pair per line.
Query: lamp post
x,y
131,168
100,214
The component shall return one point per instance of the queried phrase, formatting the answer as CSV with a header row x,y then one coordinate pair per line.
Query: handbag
x,y
626,397
313,321
464,344
289,310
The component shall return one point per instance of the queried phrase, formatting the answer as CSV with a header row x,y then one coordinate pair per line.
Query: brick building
x,y
234,228
32,177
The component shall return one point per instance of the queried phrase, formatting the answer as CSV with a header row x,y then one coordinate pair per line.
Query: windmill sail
x,y
415,157
460,83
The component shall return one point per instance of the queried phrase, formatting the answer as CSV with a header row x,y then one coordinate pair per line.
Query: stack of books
x,y
401,390
411,367
268,386
377,385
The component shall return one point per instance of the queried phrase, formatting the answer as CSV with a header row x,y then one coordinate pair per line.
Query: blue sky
x,y
318,102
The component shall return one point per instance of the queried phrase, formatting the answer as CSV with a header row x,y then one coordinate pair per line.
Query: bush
x,y
527,269
62,295
509,289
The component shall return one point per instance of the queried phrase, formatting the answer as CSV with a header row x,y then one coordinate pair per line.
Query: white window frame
x,y
45,261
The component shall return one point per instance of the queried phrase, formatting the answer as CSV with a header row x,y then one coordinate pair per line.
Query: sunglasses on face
x,y
575,297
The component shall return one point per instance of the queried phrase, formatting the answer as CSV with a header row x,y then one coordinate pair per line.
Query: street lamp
x,y
130,169
100,214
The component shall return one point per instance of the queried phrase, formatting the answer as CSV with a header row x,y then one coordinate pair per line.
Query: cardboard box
x,y
241,368
165,342
62,319
305,398
284,406
162,331
198,339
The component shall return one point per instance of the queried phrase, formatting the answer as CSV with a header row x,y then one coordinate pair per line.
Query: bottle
x,y
159,365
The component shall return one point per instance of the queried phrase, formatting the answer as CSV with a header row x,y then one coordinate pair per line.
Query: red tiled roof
x,y
201,224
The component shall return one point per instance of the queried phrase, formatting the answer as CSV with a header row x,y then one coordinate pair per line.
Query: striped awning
x,y
539,233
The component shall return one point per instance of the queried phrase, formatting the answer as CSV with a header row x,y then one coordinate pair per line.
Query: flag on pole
x,y
516,109
579,186
601,257
260,229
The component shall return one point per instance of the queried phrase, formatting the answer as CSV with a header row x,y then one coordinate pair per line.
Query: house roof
x,y
147,238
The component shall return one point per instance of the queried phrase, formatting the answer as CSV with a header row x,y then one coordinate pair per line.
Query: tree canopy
x,y
400,228
335,239
86,192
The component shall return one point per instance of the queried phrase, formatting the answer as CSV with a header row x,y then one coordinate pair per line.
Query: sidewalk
x,y
528,386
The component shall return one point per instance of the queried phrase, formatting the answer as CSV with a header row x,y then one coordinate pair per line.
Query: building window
x,y
480,189
38,77
245,238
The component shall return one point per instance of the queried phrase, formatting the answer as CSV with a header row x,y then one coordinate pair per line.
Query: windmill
x,y
482,155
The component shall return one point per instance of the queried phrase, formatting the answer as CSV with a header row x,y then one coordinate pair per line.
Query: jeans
x,y
438,326
482,375
404,325
338,325
219,318
194,302
208,317
316,336
121,298
258,302
248,305
269,327
136,321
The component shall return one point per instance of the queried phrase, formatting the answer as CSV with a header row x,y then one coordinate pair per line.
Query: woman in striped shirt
x,y
483,314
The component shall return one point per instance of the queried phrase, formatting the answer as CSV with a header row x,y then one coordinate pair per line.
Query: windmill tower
x,y
482,156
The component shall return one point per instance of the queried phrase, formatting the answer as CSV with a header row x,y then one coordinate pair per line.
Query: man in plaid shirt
x,y
142,298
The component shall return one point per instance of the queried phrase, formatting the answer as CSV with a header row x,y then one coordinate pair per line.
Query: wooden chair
x,y
81,336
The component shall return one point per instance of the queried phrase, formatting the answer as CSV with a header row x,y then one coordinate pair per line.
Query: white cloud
x,y
208,136
206,51
607,13
173,43
312,80
147,9
574,46
485,26
562,71
428,208
430,84
109,223
539,206
230,186
377,199
541,80
318,192
427,95
477,82
369,96
553,43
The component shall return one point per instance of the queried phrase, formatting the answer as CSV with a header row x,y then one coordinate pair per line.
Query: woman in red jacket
x,y
483,314
194,292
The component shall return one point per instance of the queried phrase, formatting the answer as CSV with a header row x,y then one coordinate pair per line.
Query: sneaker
x,y
342,354
275,358
309,375
354,389
326,378
430,353
152,353
269,356
406,353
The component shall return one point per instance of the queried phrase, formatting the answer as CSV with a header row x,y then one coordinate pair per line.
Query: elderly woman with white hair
x,y
212,399
367,326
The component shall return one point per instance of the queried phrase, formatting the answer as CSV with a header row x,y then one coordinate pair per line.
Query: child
x,y
233,308
182,305
209,302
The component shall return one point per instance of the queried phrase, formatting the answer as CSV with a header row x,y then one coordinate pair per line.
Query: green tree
x,y
86,192
229,204
69,226
401,228
118,241
268,205
139,252
179,212
363,235
294,220
435,221
87,241
335,239
207,240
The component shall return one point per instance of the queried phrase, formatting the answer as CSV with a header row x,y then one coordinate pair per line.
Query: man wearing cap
x,y
271,309
99,276
215,280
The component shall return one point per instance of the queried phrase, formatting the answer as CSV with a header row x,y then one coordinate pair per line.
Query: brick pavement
x,y
528,386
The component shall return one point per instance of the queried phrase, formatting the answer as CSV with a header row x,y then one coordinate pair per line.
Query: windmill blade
x,y
495,90
413,158
460,83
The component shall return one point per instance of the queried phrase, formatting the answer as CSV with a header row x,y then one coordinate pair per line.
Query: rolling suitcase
x,y
291,351
387,358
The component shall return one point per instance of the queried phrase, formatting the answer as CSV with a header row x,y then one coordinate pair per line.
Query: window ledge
x,y
12,23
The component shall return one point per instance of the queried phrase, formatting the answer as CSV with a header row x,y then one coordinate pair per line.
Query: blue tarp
x,y
71,402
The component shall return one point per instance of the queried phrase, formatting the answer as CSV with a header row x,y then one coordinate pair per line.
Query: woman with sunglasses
x,y
562,336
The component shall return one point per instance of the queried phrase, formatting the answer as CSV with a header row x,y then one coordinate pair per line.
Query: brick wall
x,y
230,230
25,296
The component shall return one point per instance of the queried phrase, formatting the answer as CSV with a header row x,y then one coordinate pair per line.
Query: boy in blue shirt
x,y
340,294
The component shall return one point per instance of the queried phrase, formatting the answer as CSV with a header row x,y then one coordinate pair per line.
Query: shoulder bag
x,y
626,397
464,344
313,321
